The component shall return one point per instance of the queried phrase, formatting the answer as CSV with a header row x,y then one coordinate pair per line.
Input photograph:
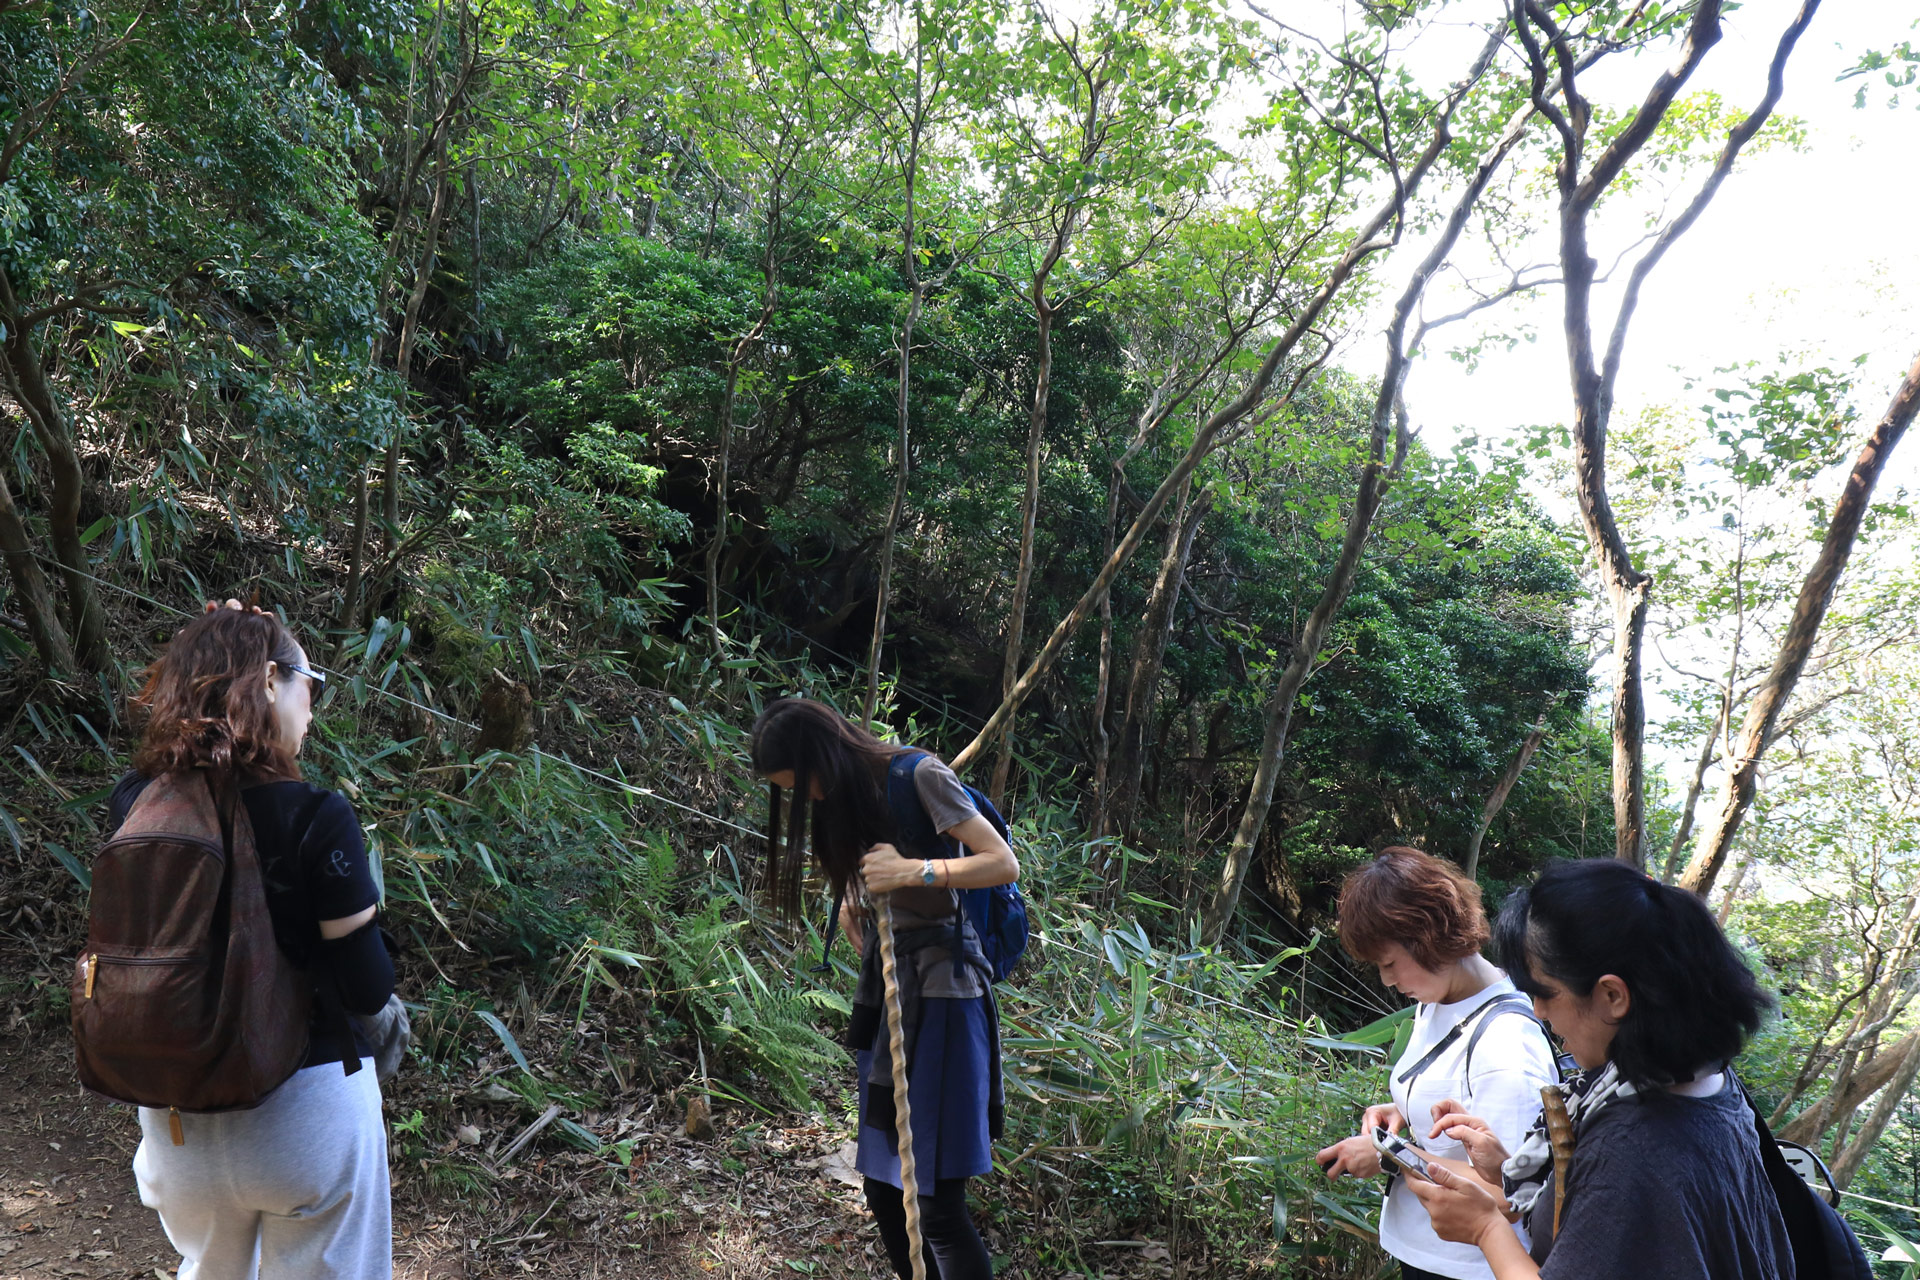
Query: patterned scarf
x,y
1528,1171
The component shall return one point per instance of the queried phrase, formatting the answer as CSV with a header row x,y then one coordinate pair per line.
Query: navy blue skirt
x,y
948,1087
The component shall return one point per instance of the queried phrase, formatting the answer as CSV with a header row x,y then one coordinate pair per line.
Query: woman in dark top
x,y
297,1186
838,772
1665,1180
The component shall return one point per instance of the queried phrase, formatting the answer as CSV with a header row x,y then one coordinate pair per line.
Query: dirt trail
x,y
771,1205
67,1201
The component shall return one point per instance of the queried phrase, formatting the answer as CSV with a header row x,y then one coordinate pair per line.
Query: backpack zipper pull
x,y
173,1127
93,963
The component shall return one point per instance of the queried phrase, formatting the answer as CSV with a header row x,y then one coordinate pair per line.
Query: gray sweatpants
x,y
295,1188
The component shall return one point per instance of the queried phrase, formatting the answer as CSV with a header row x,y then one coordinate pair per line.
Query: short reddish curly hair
x,y
1415,899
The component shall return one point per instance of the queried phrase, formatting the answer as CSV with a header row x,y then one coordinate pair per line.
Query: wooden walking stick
x,y
1553,1104
903,1112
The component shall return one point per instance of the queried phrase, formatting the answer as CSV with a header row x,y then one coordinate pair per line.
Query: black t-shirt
x,y
1664,1187
314,862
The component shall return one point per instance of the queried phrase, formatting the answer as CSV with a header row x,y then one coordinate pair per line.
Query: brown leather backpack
x,y
183,998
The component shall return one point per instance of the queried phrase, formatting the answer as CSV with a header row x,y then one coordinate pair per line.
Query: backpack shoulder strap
x,y
910,818
991,812
1824,1246
225,794
1498,1007
1446,1042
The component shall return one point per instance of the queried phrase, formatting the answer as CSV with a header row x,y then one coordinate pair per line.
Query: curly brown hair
x,y
1415,899
206,698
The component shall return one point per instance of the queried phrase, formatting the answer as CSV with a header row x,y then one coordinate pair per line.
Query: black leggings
x,y
953,1247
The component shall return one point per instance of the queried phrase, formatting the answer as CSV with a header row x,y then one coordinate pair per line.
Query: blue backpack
x,y
998,914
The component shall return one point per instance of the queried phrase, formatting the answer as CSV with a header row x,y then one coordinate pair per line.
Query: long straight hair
x,y
850,765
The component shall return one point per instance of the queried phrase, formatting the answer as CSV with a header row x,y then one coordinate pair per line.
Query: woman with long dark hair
x,y
1665,1176
295,1187
841,821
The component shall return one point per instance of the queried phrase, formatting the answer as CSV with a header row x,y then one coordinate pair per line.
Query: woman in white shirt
x,y
1475,1045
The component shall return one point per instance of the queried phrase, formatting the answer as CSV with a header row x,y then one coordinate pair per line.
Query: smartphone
x,y
1397,1155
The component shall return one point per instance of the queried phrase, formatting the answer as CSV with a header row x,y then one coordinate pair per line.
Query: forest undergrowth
x,y
574,379
586,961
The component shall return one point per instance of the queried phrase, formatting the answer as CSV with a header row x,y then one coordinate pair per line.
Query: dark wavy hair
x,y
819,744
205,698
1694,1001
1426,905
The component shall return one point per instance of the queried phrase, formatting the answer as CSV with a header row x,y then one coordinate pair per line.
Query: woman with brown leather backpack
x,y
231,936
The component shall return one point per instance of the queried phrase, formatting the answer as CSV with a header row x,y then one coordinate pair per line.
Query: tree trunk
x,y
729,400
723,451
1885,1065
1851,1076
895,511
1389,422
1150,650
1810,1067
86,621
1732,896
357,556
1593,379
30,588
1102,741
1366,243
1631,604
1501,790
1890,1064
1029,517
409,336
1809,611
1629,590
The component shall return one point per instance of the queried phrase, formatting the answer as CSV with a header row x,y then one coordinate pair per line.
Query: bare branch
x,y
1722,166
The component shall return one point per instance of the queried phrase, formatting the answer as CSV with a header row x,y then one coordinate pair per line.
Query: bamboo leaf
x,y
72,864
1346,1046
376,637
506,1038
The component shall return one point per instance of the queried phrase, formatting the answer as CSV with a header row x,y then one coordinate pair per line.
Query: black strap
x,y
1824,1246
1473,1019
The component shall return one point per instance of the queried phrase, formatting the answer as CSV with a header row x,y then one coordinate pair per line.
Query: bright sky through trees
x,y
1803,250
1801,258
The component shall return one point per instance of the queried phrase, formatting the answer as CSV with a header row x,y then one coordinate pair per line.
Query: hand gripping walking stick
x,y
903,1112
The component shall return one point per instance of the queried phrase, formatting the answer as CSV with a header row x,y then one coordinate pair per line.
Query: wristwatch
x,y
926,872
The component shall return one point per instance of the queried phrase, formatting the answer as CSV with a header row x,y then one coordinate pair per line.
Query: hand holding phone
x,y
1397,1155
1349,1158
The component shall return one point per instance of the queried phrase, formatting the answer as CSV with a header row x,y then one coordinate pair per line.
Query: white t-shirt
x,y
1510,1064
